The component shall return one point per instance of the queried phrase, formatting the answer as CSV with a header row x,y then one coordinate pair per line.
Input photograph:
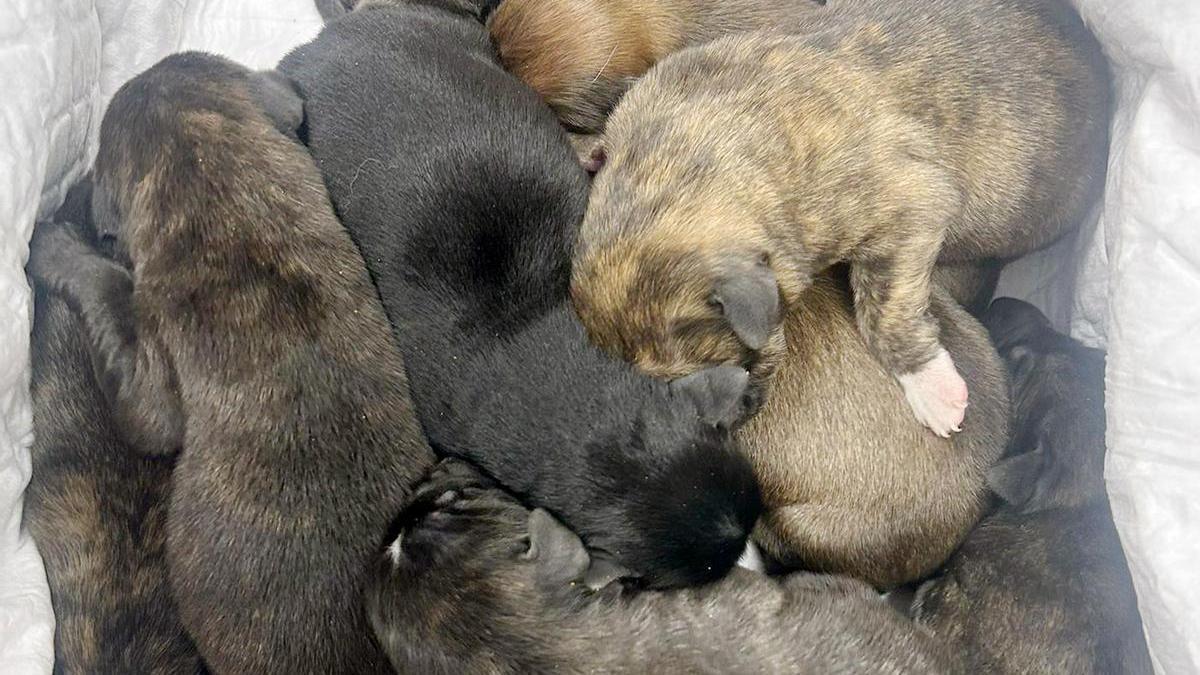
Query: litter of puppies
x,y
452,345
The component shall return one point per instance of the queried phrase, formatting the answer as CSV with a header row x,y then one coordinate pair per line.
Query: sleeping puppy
x,y
1042,585
852,484
903,133
248,334
473,582
466,219
581,55
96,508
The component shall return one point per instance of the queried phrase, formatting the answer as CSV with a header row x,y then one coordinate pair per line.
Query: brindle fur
x,y
473,582
853,484
96,508
248,319
890,135
1042,586
581,55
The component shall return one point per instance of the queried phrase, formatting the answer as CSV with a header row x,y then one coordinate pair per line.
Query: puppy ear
x,y
750,303
1011,321
560,555
603,571
279,99
1018,479
718,393
589,148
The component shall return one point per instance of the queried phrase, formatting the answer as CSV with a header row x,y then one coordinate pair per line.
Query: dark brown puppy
x,y
1042,585
900,134
97,509
852,483
249,333
581,55
473,582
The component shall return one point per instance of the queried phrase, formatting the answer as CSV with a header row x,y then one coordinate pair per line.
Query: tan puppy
x,y
737,170
851,482
581,55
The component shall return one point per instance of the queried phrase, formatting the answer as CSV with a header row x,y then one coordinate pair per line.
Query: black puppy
x,y
96,507
247,332
1042,585
464,196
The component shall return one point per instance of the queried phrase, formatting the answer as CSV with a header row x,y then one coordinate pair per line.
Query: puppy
x,y
247,333
1042,585
851,482
96,508
473,582
581,55
903,133
466,219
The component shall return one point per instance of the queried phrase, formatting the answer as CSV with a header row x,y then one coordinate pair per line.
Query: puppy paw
x,y
937,395
54,253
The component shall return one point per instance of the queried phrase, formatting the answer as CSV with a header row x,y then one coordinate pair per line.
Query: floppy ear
x,y
560,555
1011,321
1019,478
750,303
603,571
277,96
717,393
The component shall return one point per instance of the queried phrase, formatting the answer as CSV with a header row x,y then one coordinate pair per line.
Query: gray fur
x,y
468,595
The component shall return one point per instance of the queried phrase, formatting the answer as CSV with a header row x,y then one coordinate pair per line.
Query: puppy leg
x,y
134,374
891,300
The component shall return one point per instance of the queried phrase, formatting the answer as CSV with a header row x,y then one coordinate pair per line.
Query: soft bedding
x,y
1128,281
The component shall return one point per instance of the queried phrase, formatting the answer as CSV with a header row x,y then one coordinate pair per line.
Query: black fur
x,y
464,196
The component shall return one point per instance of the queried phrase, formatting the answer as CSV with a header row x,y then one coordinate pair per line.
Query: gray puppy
x,y
249,333
1042,585
473,582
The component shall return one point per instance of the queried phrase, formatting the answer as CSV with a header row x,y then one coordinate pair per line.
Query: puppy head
x,y
171,129
1056,455
676,503
468,575
673,307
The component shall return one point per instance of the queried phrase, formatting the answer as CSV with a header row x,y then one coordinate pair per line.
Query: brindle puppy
x,y
473,582
249,333
852,483
581,55
902,134
1042,585
96,508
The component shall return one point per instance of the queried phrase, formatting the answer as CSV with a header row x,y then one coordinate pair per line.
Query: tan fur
x,y
852,483
890,137
581,55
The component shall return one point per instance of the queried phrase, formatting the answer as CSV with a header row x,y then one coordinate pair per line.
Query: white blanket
x,y
1131,281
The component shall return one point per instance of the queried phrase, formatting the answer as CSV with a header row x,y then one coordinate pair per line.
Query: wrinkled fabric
x,y
1128,281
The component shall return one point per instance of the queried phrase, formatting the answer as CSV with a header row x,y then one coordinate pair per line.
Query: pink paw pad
x,y
937,395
